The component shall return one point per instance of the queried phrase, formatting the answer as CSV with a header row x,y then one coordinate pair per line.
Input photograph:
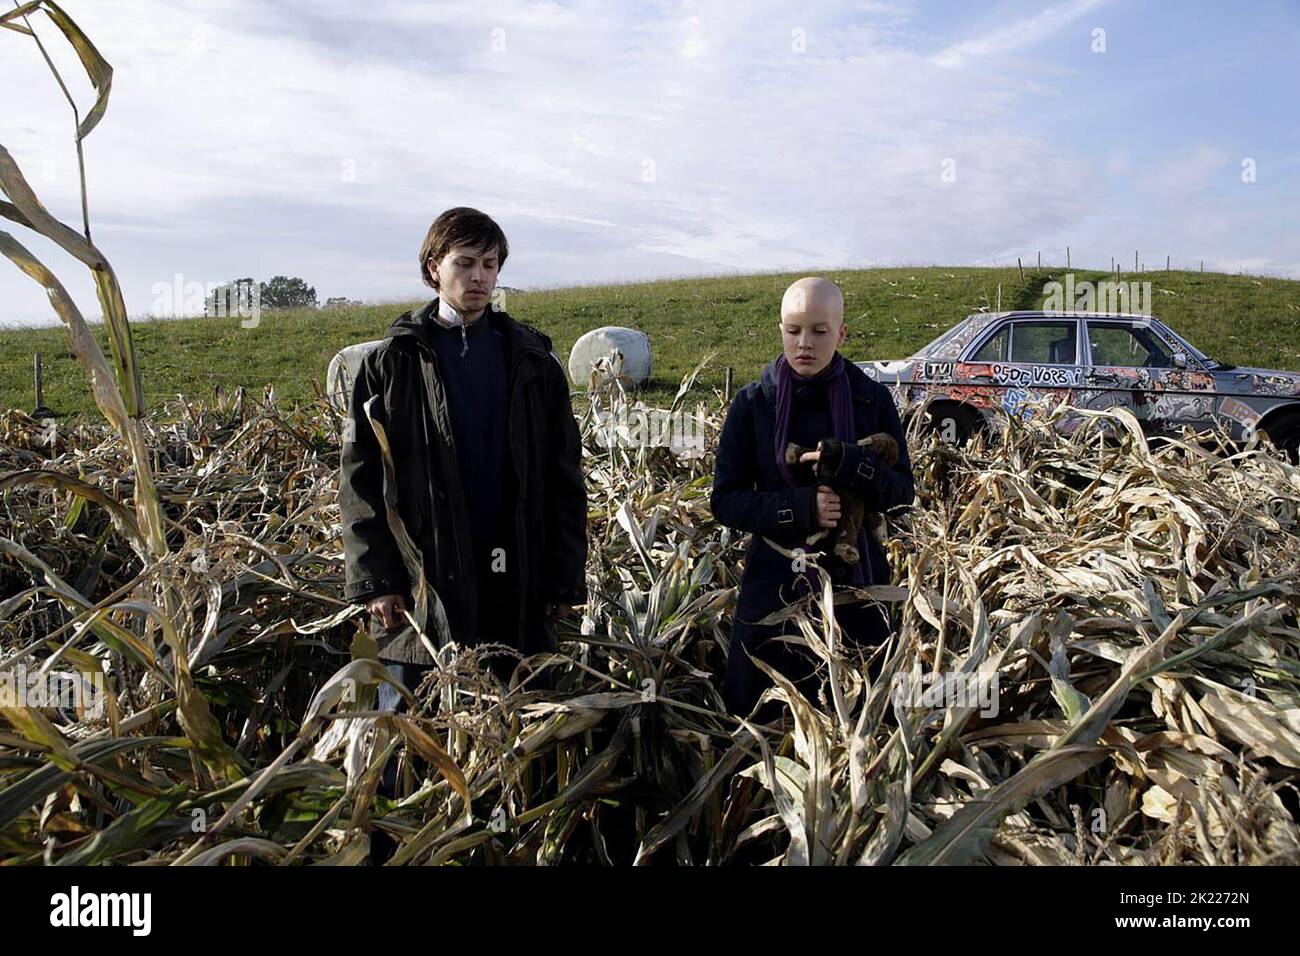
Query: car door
x,y
1130,366
1029,360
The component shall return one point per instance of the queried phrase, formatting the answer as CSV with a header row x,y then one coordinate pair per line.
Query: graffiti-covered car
x,y
994,365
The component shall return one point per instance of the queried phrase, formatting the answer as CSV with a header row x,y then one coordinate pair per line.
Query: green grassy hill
x,y
891,312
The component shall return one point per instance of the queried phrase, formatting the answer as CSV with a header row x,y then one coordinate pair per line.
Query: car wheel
x,y
953,424
1284,432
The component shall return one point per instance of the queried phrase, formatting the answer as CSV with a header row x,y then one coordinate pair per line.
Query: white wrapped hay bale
x,y
633,346
343,372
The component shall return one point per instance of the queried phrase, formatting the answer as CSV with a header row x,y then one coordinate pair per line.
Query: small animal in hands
x,y
853,512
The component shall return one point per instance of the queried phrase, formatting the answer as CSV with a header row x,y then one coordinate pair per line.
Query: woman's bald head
x,y
815,298
812,324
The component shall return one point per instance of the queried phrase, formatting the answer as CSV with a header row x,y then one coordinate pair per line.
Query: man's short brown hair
x,y
461,226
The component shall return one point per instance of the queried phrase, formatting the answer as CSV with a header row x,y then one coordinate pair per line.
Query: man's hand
x,y
388,608
828,505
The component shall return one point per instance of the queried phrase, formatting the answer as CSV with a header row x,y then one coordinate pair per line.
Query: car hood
x,y
889,370
1262,381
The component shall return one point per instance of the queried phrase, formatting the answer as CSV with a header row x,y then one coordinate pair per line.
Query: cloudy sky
x,y
634,140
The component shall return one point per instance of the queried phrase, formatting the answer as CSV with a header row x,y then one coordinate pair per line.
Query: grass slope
x,y
891,312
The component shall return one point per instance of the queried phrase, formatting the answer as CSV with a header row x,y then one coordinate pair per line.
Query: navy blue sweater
x,y
476,398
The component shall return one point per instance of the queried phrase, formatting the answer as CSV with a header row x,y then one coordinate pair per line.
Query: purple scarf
x,y
834,379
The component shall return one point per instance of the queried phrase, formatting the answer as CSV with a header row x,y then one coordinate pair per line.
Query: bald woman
x,y
809,395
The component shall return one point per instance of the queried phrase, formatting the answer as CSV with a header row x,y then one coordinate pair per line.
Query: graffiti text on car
x,y
1050,376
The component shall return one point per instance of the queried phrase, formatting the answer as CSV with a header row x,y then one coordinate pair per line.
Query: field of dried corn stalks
x,y
1134,609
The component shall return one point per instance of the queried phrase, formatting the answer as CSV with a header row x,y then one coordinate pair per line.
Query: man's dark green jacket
x,y
550,508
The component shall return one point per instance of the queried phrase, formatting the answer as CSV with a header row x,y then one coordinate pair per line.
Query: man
x,y
486,456
810,395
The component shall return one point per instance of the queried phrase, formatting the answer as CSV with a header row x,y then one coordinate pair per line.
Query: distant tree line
x,y
282,292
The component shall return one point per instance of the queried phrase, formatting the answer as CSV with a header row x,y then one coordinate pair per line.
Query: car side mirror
x,y
1180,360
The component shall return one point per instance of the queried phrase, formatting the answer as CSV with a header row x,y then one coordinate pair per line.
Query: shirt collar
x,y
447,316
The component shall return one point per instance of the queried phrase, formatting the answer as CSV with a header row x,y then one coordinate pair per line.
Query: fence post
x,y
1021,268
40,411
1067,257
726,386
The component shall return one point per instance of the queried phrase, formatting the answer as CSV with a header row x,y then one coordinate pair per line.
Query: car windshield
x,y
1191,349
934,346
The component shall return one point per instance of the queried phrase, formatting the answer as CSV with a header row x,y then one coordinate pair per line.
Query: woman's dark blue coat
x,y
749,494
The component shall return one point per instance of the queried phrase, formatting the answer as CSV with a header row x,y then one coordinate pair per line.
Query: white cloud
x,y
1014,36
611,142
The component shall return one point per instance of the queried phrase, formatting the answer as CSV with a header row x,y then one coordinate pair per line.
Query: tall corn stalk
x,y
120,397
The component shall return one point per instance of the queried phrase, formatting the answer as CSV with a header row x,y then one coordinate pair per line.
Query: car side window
x,y
995,349
1044,343
1127,347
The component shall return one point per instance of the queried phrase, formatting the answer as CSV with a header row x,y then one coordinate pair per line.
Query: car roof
x,y
950,345
1070,313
